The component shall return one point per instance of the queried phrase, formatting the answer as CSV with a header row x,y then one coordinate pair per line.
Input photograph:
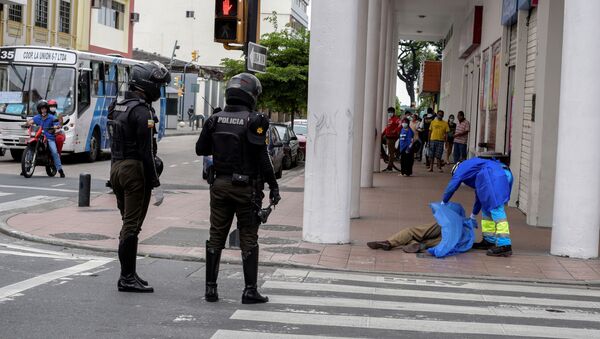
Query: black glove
x,y
274,196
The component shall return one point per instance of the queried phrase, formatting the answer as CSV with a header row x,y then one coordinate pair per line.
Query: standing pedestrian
x,y
237,140
461,136
391,134
424,133
133,172
450,139
438,134
406,149
190,114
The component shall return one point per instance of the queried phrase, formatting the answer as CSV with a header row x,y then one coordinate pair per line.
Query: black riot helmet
x,y
149,78
40,104
243,89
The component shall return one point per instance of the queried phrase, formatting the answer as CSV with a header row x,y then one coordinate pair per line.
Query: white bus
x,y
84,85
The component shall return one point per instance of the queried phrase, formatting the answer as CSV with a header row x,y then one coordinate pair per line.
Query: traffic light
x,y
180,92
230,22
194,55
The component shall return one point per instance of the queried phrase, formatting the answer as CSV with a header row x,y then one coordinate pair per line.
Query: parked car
x,y
301,132
290,145
275,148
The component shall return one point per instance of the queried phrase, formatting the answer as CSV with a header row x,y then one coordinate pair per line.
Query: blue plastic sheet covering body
x,y
458,231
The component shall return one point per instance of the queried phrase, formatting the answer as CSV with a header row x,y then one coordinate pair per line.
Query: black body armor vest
x,y
232,152
123,138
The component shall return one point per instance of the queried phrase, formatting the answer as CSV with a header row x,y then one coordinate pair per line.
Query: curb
x,y
180,134
7,230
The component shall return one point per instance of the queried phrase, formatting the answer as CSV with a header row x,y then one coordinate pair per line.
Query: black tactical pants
x,y
227,200
133,195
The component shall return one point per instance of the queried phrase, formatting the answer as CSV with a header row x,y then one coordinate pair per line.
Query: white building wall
x,y
193,33
285,9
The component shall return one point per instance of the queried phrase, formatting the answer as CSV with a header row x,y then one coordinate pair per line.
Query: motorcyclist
x,y
60,135
49,124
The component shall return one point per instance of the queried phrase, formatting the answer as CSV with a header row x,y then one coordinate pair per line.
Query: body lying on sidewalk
x,y
411,240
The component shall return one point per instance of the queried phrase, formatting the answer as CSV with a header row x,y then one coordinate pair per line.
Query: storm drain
x,y
276,241
179,237
81,236
291,250
281,228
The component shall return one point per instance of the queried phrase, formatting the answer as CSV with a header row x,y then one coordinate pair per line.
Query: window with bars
x,y
15,13
64,16
112,14
41,13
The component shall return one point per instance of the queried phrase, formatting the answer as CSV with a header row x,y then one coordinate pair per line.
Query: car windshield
x,y
281,130
22,86
301,129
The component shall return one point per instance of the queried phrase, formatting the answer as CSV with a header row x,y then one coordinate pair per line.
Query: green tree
x,y
410,55
285,84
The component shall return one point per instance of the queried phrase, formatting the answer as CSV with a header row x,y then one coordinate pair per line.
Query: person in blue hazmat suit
x,y
492,181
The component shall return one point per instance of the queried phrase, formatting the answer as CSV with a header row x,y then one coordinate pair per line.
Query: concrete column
x,y
373,34
394,65
359,110
331,109
550,16
386,73
379,111
576,203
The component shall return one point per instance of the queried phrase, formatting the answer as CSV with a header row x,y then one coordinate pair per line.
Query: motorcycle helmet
x,y
243,89
52,103
40,104
149,78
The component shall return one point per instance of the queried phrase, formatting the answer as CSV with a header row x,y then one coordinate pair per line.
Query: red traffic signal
x,y
230,22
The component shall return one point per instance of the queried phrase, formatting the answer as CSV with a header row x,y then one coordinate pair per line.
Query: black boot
x,y
61,172
250,261
483,245
213,258
500,251
127,256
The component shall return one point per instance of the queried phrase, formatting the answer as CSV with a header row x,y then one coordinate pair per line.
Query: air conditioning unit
x,y
96,4
134,17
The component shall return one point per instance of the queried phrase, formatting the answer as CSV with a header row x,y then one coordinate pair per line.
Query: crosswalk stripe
x,y
429,294
405,324
508,311
3,194
503,287
227,334
19,287
28,202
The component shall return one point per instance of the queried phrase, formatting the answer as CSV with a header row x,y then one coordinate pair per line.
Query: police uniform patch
x,y
259,131
121,108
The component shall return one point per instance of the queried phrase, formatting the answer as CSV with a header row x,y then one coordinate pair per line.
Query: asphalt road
x,y
54,292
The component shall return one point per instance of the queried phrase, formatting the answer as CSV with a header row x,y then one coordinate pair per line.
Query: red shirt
x,y
393,128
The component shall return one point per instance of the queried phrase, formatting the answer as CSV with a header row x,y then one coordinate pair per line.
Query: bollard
x,y
234,239
85,182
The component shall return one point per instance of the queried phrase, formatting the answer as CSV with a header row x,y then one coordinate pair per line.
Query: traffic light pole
x,y
252,26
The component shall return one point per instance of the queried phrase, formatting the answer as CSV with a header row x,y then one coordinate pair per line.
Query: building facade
x,y
99,26
292,12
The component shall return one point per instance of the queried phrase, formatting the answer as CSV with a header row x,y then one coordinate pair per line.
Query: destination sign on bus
x,y
36,55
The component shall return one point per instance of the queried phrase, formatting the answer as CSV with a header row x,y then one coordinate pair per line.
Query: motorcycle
x,y
37,152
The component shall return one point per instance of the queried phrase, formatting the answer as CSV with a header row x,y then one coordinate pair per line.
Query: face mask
x,y
440,117
451,119
52,109
404,125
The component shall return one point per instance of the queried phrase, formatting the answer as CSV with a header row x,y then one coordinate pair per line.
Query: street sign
x,y
195,88
257,58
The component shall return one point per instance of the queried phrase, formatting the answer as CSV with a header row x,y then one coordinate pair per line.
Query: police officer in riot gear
x,y
133,172
237,140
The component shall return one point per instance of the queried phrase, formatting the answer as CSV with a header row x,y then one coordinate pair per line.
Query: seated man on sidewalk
x,y
414,239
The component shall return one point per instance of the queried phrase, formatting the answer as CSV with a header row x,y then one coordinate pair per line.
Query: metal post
x,y
85,182
252,26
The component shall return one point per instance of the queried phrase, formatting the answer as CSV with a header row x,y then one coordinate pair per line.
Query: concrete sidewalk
x,y
179,227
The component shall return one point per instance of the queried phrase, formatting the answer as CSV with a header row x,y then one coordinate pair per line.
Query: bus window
x,y
83,97
14,85
53,83
123,80
110,76
97,79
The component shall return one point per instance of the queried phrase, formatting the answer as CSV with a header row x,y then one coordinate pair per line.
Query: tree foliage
x,y
285,85
410,55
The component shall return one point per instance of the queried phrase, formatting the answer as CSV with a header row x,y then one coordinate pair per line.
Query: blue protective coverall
x,y
492,182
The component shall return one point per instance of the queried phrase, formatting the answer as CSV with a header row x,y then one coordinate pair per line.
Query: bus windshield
x,y
22,86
